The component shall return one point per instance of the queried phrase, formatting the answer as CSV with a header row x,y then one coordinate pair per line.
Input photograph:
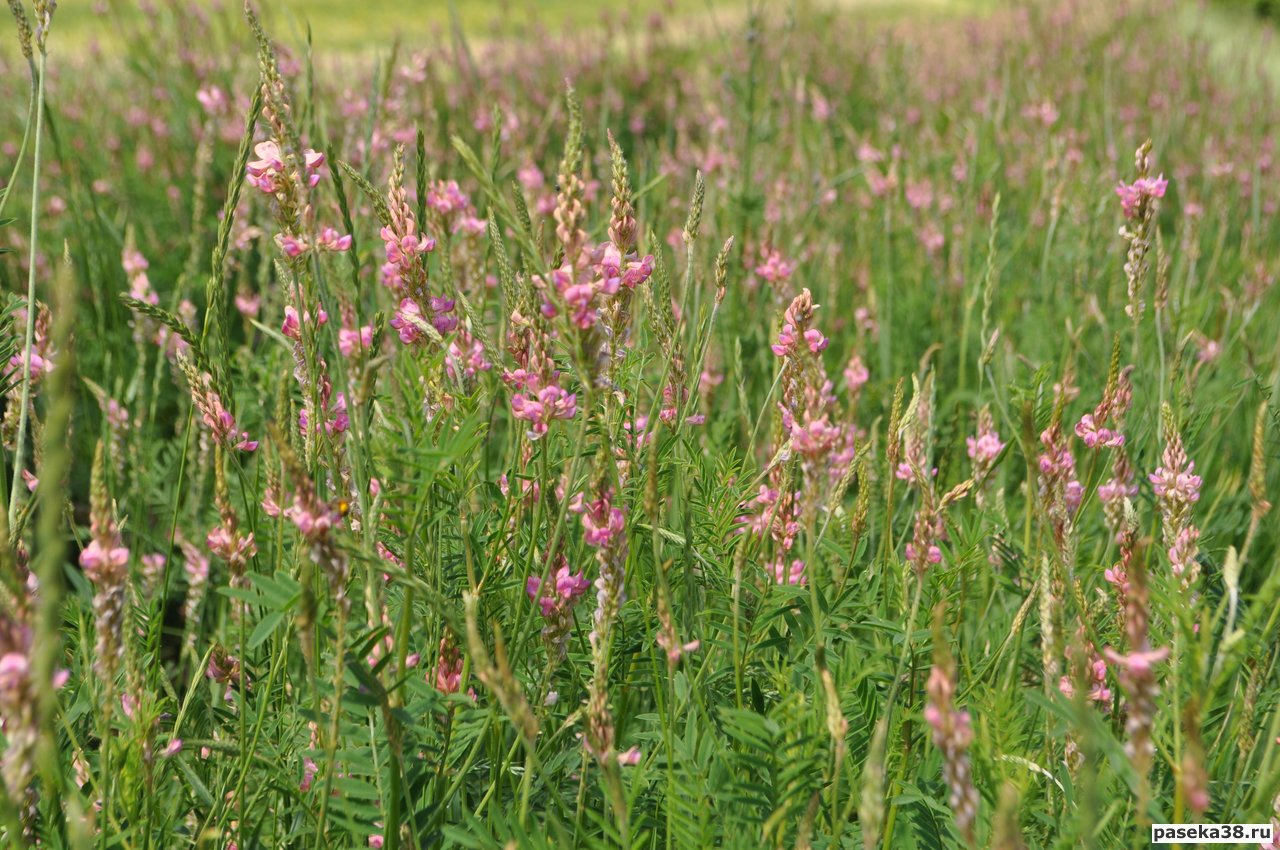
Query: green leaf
x,y
265,627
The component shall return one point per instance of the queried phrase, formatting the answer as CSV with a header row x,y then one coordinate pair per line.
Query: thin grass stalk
x,y
19,459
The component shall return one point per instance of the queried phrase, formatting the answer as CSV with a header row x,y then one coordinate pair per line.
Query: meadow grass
x,y
342,27
825,426
337,25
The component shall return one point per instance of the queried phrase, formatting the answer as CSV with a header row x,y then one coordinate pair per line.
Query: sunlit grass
x,y
361,27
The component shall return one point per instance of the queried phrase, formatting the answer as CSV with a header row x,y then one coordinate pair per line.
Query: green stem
x,y
20,445
893,693
22,148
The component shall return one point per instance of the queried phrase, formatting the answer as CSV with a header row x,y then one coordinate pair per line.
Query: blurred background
x,y
96,29
356,25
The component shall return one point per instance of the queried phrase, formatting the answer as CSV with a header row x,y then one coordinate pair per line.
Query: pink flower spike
x,y
96,556
1135,195
291,327
784,573
352,341
248,305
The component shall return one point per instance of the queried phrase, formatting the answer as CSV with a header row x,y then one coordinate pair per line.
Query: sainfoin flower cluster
x,y
821,446
1177,489
556,598
952,734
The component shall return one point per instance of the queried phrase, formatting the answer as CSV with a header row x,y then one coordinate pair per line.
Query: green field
x,y
358,27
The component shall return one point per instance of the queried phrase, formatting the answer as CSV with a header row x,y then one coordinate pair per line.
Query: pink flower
x,y
290,327
1113,490
309,771
153,564
313,521
856,374
1177,484
330,240
267,173
404,248
133,262
774,268
448,678
1183,552
212,99
578,296
1135,195
814,438
228,544
292,246
550,403
446,197
466,357
933,555
600,520
352,341
1137,663
906,472
270,506
14,667
784,573
786,341
530,177
97,556
264,171
408,321
817,342
39,365
919,194
616,270
248,304
667,640
795,327
568,588
1094,436
1044,112
441,314
1056,460
931,238
985,447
